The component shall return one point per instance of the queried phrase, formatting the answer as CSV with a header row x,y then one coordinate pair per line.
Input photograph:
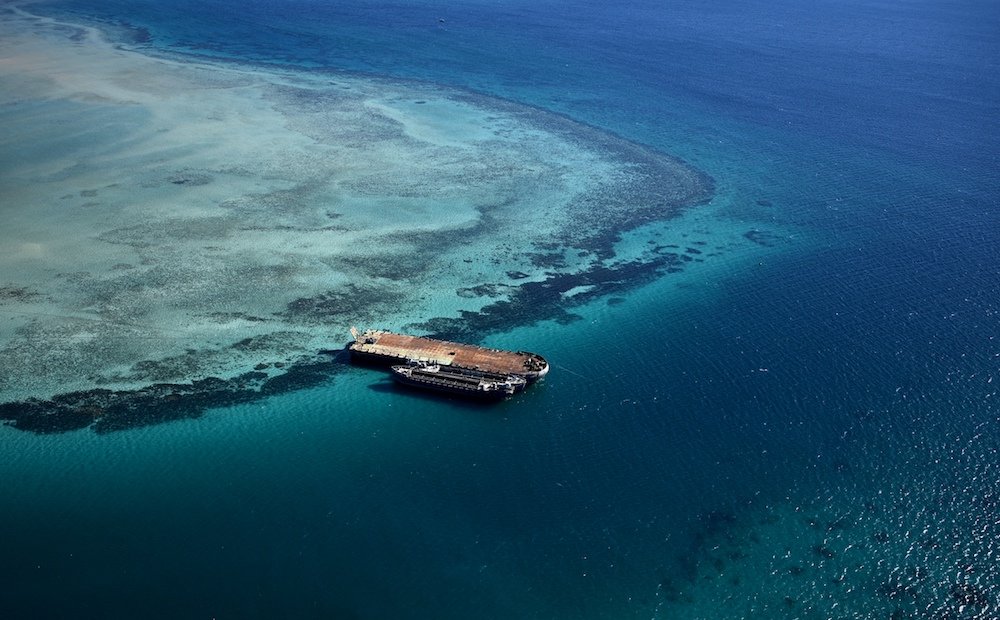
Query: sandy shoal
x,y
159,211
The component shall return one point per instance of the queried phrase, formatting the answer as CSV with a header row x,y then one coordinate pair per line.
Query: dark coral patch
x,y
352,303
45,417
764,238
17,293
536,301
106,411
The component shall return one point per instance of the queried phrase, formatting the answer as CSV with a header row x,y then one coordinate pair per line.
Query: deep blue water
x,y
861,362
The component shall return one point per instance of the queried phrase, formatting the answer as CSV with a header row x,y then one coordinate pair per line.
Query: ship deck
x,y
395,348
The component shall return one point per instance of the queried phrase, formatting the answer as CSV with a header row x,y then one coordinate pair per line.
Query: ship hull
x,y
377,347
459,382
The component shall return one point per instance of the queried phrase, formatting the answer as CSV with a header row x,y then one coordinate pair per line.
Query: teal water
x,y
805,427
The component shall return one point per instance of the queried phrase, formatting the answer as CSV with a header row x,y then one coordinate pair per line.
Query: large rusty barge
x,y
388,348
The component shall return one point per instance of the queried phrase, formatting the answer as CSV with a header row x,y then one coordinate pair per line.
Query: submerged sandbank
x,y
167,221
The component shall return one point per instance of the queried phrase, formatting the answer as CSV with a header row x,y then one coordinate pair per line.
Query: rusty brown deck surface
x,y
403,347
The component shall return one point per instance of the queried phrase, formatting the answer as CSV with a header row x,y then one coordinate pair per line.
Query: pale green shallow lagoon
x,y
175,220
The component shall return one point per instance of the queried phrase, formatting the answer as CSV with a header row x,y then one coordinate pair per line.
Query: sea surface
x,y
804,423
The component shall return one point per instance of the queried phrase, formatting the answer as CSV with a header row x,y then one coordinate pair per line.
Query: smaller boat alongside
x,y
466,382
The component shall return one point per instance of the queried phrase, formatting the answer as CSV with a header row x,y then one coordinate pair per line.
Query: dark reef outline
x,y
105,410
664,197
